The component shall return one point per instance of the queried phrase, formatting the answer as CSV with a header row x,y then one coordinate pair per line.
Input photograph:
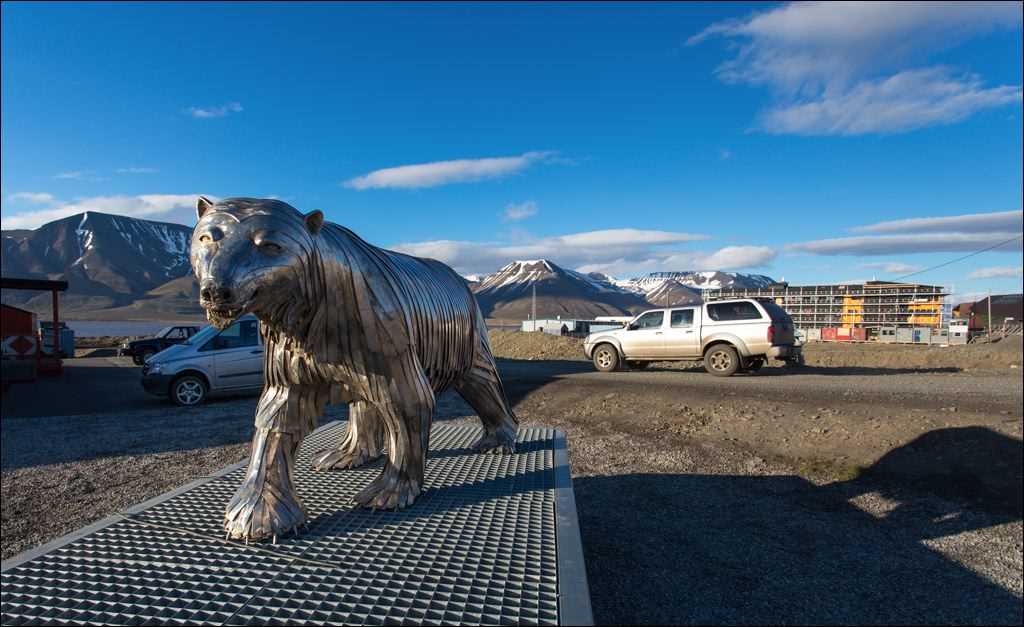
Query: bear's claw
x,y
339,459
388,491
259,515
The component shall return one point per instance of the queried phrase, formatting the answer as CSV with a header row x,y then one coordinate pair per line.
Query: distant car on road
x,y
209,362
728,335
141,350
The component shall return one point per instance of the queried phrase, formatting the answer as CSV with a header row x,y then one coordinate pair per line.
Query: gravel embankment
x,y
855,494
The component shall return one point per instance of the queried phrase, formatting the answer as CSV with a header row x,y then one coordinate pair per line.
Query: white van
x,y
209,362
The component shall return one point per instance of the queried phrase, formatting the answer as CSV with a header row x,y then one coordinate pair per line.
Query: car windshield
x,y
163,332
202,335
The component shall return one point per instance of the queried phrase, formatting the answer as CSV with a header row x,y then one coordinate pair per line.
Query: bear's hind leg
x,y
481,388
363,442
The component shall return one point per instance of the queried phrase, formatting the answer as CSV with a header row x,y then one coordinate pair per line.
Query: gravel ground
x,y
847,495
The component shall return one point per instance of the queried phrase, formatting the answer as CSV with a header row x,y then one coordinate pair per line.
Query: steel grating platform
x,y
493,540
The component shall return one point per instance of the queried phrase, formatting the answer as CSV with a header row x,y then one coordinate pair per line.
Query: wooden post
x,y
56,322
989,325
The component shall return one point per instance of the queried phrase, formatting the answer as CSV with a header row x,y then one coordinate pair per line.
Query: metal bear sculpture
x,y
342,321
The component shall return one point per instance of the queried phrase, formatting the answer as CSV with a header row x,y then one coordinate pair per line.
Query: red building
x,y
14,321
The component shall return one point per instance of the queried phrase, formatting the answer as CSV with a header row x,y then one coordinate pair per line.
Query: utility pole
x,y
989,325
533,307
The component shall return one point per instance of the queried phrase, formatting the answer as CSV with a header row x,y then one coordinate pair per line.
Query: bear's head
x,y
251,256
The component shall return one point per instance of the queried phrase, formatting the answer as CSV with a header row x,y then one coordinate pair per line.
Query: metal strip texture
x,y
342,320
479,547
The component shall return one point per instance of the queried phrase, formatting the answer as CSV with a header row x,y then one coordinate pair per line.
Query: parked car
x,y
141,350
728,335
209,362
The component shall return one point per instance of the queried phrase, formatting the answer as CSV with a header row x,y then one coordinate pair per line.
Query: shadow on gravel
x,y
781,371
851,370
522,376
666,548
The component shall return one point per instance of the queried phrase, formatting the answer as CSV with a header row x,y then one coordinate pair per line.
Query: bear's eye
x,y
268,246
213,235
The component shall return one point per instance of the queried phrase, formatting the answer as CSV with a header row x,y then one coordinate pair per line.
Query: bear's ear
x,y
203,204
314,220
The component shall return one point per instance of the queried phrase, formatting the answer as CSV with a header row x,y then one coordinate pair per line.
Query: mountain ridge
x,y
133,268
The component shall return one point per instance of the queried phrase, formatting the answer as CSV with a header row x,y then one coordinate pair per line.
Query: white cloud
x,y
901,244
444,172
967,223
38,198
891,267
854,67
966,297
1005,272
214,112
902,102
515,212
727,258
79,175
613,251
178,208
137,170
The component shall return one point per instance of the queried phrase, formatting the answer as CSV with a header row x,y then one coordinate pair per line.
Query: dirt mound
x,y
1000,355
531,346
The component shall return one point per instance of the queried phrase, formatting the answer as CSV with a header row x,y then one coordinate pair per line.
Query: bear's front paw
x,y
262,513
497,442
339,459
391,490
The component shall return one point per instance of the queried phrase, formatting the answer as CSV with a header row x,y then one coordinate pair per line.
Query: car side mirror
x,y
633,327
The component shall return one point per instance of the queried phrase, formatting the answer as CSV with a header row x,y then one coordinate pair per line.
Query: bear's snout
x,y
215,294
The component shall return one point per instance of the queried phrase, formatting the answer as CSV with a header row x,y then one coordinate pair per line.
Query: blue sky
x,y
621,138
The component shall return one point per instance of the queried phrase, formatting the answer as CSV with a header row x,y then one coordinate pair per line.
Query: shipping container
x,y
828,334
905,335
858,335
887,335
940,336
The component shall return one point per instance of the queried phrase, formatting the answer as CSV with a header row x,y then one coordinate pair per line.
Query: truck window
x,y
776,313
682,318
728,312
650,320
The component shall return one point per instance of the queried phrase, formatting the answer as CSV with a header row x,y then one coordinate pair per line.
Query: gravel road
x,y
831,496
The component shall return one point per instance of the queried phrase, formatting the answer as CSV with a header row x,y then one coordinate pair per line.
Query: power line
x,y
977,252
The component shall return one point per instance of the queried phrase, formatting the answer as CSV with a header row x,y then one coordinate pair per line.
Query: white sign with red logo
x,y
19,345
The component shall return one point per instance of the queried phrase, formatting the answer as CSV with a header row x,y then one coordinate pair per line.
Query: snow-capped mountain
x,y
108,260
666,289
708,280
508,292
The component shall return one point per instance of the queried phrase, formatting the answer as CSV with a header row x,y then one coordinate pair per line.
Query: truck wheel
x,y
606,358
188,391
722,360
637,365
137,360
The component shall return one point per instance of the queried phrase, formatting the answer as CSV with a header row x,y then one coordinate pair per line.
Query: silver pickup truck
x,y
729,336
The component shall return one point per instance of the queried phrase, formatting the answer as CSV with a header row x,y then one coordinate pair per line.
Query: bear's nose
x,y
213,293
